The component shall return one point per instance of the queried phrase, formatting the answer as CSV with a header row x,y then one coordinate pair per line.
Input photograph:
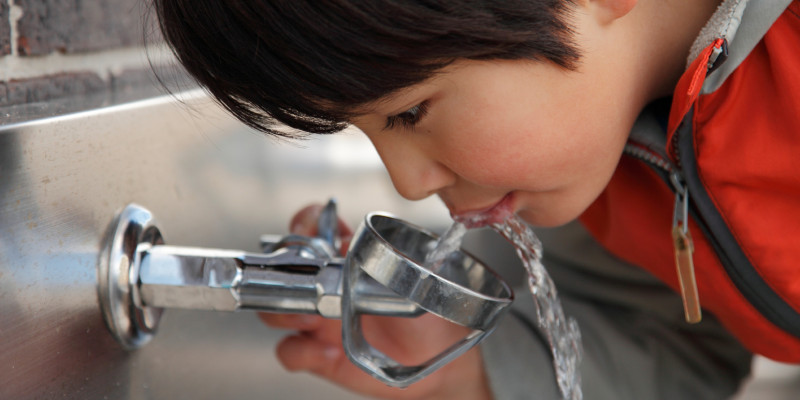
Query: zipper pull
x,y
684,249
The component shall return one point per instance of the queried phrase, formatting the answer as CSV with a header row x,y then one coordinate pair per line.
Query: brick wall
x,y
53,49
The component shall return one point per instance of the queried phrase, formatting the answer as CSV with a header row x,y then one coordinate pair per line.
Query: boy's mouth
x,y
494,214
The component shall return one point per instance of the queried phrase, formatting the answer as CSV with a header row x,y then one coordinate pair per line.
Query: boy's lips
x,y
493,214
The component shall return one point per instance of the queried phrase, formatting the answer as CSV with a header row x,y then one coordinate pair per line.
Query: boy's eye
x,y
409,118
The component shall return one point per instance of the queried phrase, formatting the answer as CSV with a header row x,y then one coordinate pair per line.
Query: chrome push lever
x,y
139,276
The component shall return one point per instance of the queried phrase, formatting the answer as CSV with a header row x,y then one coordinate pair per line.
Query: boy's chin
x,y
548,220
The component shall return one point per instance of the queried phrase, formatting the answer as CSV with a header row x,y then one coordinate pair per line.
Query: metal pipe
x,y
283,281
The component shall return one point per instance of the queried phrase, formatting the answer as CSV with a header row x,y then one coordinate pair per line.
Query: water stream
x,y
447,244
561,332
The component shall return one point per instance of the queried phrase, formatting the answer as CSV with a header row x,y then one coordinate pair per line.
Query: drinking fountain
x,y
382,273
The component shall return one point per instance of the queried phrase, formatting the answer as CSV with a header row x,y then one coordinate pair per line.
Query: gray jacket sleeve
x,y
636,343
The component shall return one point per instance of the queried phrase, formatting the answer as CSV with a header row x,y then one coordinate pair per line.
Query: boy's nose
x,y
415,175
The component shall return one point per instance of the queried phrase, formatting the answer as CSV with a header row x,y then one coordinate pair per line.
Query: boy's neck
x,y
672,27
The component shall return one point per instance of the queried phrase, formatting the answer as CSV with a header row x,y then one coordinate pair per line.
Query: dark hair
x,y
310,63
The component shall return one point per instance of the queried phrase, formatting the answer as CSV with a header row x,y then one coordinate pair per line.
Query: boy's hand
x,y
304,222
316,347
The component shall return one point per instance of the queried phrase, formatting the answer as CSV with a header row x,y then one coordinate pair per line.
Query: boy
x,y
529,105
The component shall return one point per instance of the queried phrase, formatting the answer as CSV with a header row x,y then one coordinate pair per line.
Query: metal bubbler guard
x,y
383,274
463,291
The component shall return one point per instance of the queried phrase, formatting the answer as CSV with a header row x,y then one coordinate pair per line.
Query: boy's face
x,y
496,134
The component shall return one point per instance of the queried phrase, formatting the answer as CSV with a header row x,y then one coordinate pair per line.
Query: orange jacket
x,y
733,141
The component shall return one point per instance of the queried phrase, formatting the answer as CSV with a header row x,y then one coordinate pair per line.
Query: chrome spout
x,y
285,281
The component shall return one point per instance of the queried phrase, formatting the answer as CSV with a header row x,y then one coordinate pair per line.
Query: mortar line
x,y
104,63
14,15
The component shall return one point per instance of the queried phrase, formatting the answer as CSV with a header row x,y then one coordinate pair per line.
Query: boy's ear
x,y
606,11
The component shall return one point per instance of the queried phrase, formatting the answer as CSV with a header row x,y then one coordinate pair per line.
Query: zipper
x,y
682,242
650,158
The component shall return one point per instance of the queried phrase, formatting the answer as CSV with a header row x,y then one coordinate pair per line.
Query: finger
x,y
344,229
305,353
302,322
346,236
345,246
305,221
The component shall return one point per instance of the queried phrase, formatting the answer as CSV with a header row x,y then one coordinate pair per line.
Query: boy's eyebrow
x,y
413,96
373,106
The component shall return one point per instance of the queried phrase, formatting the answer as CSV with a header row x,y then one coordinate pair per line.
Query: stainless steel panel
x,y
210,182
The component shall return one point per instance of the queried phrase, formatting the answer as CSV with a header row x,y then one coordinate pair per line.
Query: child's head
x,y
524,104
310,63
